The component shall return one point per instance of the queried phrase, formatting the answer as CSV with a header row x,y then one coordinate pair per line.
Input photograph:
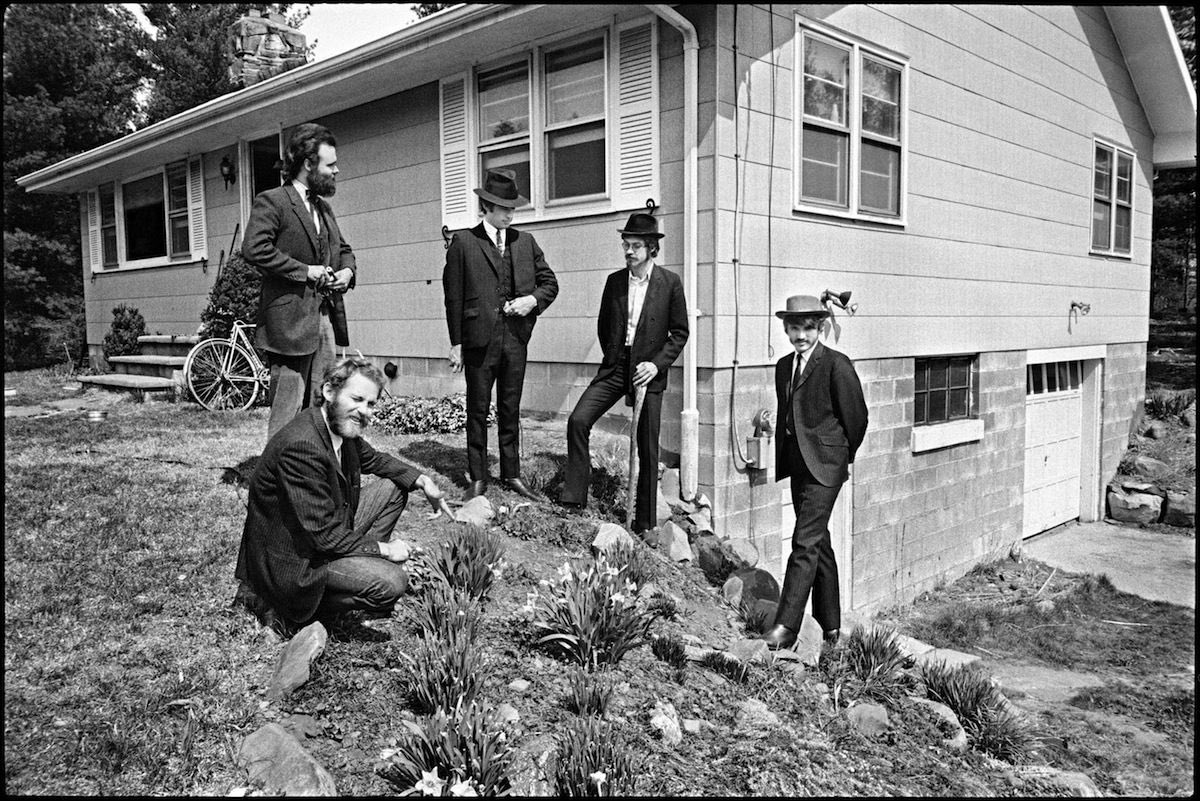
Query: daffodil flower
x,y
430,784
463,788
598,778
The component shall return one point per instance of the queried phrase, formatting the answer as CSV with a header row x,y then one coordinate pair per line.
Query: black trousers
x,y
500,364
600,396
812,565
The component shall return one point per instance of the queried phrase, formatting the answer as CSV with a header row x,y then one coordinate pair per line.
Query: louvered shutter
x,y
197,224
635,100
456,166
89,203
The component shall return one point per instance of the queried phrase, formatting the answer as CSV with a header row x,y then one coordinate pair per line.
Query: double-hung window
x,y
147,221
850,136
1112,200
575,120
945,388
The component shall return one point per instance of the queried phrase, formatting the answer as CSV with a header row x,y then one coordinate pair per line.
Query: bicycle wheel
x,y
221,376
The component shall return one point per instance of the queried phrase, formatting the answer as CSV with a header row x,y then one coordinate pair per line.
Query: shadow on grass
x,y
451,462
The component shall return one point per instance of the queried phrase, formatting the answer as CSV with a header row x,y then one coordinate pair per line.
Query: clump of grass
x,y
728,666
462,752
870,666
592,763
445,609
591,614
1164,404
471,560
589,694
640,566
990,724
533,524
540,471
444,671
669,649
753,617
663,606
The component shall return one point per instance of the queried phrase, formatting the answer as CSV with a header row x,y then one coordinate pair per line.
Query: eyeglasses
x,y
633,245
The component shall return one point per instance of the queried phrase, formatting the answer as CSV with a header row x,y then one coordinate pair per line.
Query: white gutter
x,y
689,428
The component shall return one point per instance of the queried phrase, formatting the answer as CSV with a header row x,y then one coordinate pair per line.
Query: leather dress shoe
x,y
832,636
780,637
477,488
518,486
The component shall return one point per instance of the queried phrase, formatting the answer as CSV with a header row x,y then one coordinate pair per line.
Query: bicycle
x,y
226,374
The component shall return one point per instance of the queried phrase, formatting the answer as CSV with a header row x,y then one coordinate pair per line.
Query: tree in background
x,y
71,75
425,9
190,54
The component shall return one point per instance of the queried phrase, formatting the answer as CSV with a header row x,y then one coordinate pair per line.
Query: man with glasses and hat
x,y
822,419
642,327
496,283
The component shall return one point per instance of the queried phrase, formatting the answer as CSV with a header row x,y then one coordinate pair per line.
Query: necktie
x,y
799,371
316,212
500,241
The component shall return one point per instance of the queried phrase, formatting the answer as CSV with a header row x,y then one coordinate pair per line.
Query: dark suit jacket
x,y
301,509
662,330
829,411
471,283
281,241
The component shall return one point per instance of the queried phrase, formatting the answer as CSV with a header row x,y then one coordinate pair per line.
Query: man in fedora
x,y
822,420
496,283
642,326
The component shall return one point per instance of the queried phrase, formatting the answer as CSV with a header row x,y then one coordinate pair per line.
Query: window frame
x,y
123,262
540,206
859,50
972,388
1112,199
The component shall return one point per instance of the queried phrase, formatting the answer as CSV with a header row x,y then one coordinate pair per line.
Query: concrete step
x,y
137,384
167,344
161,366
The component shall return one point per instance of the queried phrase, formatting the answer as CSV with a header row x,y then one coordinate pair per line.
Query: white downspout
x,y
689,437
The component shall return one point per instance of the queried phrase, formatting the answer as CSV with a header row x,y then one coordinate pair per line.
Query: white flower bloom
x,y
463,788
431,783
564,572
598,778
618,598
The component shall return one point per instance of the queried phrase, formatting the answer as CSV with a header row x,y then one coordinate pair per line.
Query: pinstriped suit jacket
x,y
301,511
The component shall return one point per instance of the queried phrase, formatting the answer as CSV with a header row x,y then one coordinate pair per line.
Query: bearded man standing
x,y
315,543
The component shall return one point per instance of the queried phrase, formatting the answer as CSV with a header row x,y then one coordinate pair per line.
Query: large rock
x,y
870,719
1150,467
669,482
749,585
292,666
276,759
702,519
476,512
956,737
755,719
666,720
676,539
1180,509
742,553
609,536
662,509
532,768
1133,507
1188,416
809,641
749,651
1071,783
1156,429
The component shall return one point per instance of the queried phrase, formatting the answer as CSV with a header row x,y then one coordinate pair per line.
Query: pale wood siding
x,y
1003,105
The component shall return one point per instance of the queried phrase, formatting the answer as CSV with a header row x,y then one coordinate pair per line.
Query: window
x,y
1112,200
149,220
945,389
576,120
850,140
1053,377
265,164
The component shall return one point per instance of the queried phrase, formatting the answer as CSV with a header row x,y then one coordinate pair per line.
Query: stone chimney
x,y
262,45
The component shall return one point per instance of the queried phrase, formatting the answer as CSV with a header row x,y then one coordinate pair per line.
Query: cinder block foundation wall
x,y
1122,402
925,518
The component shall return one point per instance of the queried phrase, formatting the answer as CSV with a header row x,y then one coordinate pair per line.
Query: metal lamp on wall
x,y
228,171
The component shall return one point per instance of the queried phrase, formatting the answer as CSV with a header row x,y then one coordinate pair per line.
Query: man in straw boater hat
x,y
822,419
496,283
642,326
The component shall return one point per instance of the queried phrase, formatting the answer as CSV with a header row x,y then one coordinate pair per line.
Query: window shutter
x,y
197,223
456,166
89,203
635,101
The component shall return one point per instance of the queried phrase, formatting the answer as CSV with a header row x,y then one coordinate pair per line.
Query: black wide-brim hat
x,y
500,187
641,224
803,306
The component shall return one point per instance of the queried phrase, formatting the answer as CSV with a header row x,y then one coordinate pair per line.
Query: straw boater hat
x,y
803,306
500,187
641,224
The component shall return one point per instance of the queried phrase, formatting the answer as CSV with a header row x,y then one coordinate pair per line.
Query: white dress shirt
x,y
637,298
303,190
335,438
491,231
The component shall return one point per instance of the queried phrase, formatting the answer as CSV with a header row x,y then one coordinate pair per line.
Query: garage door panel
x,y
1053,451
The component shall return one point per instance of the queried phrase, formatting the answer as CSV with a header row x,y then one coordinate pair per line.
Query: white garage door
x,y
1053,408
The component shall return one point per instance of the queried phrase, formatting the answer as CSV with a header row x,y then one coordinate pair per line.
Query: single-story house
x,y
979,177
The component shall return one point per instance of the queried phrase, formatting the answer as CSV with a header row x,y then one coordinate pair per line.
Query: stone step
x,y
167,344
131,383
161,366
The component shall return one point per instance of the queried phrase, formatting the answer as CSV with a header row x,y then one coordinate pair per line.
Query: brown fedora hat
x,y
803,306
500,187
641,224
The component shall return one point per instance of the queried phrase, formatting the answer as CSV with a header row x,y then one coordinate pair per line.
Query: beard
x,y
324,185
345,423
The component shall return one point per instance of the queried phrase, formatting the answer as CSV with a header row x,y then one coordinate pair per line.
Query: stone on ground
x,y
809,641
477,512
742,553
533,766
609,536
1181,509
755,719
662,509
948,656
748,585
702,520
870,719
669,481
1150,467
276,759
665,719
749,651
292,666
1133,507
676,539
956,739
